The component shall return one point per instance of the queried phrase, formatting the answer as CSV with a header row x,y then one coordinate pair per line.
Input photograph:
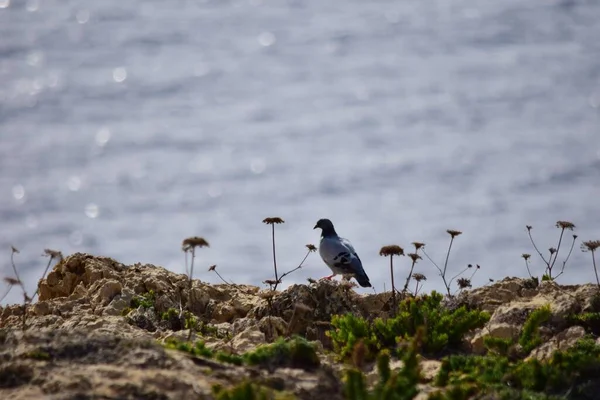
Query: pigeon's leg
x,y
328,277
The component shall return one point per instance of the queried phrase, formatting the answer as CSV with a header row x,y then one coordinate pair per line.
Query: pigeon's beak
x,y
316,226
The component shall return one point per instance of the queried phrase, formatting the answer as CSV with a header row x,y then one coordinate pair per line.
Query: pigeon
x,y
339,254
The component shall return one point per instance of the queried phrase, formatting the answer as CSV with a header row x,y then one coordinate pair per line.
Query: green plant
x,y
169,314
243,391
199,349
296,353
444,328
497,346
575,372
145,300
530,337
590,321
38,354
347,330
399,385
229,358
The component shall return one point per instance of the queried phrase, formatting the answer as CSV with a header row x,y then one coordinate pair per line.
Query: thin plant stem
x,y
527,266
535,247
562,270
289,272
43,276
473,274
187,271
442,274
274,258
409,275
595,269
191,275
448,254
459,274
392,275
6,293
433,262
557,250
224,281
12,261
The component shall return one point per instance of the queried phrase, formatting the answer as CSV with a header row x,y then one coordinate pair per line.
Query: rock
x,y
563,341
247,340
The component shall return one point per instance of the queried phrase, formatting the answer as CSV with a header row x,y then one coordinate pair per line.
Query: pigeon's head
x,y
326,225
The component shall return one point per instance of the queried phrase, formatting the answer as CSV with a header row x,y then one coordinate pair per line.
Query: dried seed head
x,y
490,279
418,245
53,254
273,220
574,237
463,283
528,227
565,225
271,282
419,277
453,232
311,280
311,247
526,256
552,250
194,241
14,249
478,267
590,245
391,250
212,268
414,257
470,266
11,281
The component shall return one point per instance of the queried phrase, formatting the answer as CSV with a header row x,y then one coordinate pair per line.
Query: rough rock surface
x,y
85,337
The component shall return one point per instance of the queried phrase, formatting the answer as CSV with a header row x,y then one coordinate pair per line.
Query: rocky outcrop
x,y
98,327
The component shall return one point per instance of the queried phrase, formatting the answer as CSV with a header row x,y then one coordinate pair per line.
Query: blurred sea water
x,y
126,126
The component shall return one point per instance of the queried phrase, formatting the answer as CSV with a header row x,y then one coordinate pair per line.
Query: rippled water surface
x,y
126,126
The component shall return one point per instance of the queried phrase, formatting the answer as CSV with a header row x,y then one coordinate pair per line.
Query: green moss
x,y
145,300
530,337
126,311
296,353
444,327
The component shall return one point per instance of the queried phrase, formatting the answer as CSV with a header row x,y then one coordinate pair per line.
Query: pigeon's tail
x,y
362,279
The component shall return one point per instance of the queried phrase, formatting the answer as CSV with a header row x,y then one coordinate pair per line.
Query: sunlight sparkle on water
x,y
103,136
266,39
92,210
119,74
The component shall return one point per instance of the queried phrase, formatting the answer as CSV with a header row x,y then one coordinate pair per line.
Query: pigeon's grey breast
x,y
339,255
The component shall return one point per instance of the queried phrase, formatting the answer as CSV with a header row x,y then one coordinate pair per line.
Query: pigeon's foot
x,y
327,277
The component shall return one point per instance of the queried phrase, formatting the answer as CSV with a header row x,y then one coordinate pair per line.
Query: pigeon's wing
x,y
339,254
359,273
